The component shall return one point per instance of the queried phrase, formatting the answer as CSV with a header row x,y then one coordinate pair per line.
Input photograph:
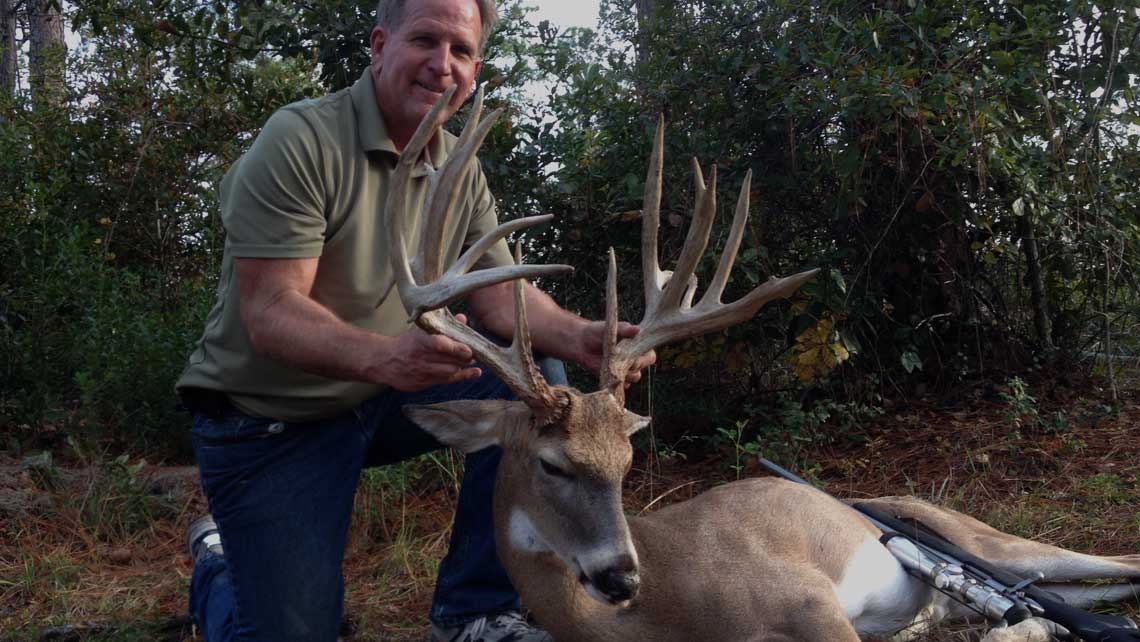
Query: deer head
x,y
565,451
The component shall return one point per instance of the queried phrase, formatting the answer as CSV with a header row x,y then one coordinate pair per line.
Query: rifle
x,y
997,594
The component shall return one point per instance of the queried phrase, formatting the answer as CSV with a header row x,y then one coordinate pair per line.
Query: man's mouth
x,y
438,91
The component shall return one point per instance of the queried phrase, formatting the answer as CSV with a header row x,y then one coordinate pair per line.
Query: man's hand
x,y
593,339
554,331
416,360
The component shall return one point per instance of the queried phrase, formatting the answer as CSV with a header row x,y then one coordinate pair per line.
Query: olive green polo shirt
x,y
314,184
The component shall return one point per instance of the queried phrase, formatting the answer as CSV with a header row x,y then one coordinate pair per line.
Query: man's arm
x,y
554,331
285,323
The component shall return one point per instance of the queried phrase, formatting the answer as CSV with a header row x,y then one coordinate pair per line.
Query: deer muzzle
x,y
614,584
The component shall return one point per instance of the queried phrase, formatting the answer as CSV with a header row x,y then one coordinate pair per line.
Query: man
x,y
307,357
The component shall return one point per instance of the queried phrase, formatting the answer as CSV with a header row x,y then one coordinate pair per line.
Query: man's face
x,y
435,46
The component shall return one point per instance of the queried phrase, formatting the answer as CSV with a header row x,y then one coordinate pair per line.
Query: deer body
x,y
755,561
771,560
709,566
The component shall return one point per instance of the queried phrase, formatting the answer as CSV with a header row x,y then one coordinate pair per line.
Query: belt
x,y
203,401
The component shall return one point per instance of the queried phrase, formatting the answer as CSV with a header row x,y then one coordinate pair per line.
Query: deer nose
x,y
620,581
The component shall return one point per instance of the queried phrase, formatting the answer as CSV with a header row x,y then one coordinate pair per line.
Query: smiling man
x,y
307,357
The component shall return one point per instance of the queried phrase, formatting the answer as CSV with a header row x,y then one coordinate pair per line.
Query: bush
x,y
83,342
84,345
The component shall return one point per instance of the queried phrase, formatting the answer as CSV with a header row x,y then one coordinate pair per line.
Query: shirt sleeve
x,y
273,200
484,219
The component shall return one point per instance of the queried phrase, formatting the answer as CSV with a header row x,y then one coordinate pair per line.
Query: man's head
x,y
390,12
419,49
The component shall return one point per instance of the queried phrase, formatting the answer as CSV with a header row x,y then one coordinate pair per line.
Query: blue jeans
x,y
282,495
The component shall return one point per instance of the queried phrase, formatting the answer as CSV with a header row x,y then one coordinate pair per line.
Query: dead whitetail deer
x,y
756,560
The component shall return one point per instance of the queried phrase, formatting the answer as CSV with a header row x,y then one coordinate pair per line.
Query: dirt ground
x,y
97,553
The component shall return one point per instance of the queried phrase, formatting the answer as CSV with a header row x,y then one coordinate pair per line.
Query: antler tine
x,y
423,288
728,255
695,242
540,394
443,183
651,274
425,293
668,314
398,192
455,284
609,382
515,364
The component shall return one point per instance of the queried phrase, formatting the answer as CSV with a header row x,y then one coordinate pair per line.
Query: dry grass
x,y
61,564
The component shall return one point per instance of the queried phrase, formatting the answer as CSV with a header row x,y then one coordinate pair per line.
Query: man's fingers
x,y
646,360
465,374
627,330
451,351
643,362
441,373
635,371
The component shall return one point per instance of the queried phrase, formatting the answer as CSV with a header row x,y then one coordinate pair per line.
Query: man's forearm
x,y
304,335
554,330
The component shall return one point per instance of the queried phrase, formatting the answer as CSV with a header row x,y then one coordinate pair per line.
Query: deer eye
x,y
552,470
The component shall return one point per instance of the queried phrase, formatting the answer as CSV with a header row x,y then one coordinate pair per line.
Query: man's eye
x,y
553,471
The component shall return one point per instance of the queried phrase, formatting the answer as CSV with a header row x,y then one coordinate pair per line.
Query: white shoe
x,y
203,538
510,626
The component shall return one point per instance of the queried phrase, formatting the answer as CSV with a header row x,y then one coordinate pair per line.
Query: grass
x,y
103,552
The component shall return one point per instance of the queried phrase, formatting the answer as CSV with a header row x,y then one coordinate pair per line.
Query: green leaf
x,y
911,361
837,279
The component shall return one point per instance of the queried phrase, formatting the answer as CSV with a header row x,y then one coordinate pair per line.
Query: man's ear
x,y
467,425
376,42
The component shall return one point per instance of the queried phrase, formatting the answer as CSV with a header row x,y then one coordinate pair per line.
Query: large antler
x,y
426,292
669,313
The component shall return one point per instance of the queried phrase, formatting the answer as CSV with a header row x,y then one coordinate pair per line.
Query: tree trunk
x,y
643,44
645,9
1037,293
48,53
7,48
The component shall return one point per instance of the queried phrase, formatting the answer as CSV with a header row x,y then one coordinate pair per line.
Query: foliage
x,y
818,350
789,428
1106,488
110,238
1022,405
913,149
742,449
118,504
109,242
963,173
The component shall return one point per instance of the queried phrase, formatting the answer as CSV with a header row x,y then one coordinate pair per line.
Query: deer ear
x,y
467,425
636,422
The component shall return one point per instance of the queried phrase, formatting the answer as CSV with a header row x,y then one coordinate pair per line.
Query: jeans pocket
x,y
233,428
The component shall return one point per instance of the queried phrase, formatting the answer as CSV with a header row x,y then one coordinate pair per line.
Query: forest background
x,y
965,173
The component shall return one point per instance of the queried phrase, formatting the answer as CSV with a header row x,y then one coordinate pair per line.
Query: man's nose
x,y
440,61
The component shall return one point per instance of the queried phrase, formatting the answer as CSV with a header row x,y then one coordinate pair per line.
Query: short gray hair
x,y
389,14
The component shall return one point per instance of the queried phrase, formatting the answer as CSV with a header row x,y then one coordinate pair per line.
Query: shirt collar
x,y
374,133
